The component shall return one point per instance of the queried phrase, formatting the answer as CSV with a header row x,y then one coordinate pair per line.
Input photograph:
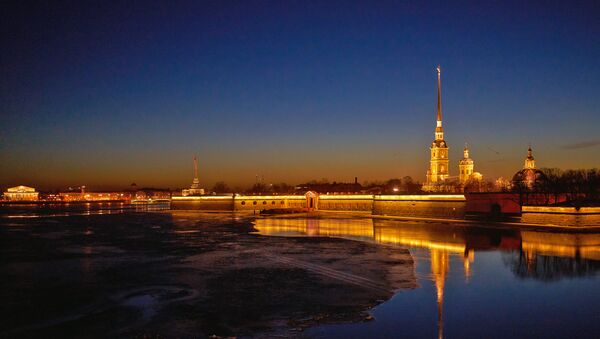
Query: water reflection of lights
x,y
441,243
386,239
572,245
360,228
444,241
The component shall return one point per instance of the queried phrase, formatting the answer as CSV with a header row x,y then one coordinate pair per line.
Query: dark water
x,y
474,282
89,269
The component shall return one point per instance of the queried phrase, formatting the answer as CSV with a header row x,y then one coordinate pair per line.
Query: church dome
x,y
529,175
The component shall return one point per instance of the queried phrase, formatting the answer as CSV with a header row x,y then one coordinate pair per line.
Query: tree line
x,y
406,185
580,184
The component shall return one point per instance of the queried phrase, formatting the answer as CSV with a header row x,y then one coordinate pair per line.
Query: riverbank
x,y
566,222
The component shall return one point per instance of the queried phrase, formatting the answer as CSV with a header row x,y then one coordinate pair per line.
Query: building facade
x,y
21,193
438,165
465,167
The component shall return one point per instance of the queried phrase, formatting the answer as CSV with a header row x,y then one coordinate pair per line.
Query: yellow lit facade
x,y
465,166
21,193
94,196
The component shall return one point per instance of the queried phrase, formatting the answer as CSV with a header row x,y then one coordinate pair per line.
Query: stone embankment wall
x,y
432,206
421,206
238,203
561,210
356,203
203,203
493,204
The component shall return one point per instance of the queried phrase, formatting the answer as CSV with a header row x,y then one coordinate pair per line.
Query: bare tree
x,y
221,187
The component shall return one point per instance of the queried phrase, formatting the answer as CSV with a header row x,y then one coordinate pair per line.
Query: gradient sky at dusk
x,y
108,94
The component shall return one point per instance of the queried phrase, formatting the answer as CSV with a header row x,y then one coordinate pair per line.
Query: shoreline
x,y
478,222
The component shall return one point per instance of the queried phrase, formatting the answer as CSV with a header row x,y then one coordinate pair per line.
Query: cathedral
x,y
195,187
438,165
438,177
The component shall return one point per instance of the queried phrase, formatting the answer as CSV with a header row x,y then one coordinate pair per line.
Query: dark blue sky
x,y
107,94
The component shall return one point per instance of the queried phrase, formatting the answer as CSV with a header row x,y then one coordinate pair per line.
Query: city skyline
x,y
291,93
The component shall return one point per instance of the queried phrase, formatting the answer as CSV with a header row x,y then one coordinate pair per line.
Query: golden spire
x,y
439,88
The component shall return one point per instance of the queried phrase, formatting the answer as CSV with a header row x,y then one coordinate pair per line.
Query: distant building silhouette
x,y
195,187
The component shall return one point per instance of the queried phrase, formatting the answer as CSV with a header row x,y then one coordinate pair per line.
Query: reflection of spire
x,y
440,264
468,258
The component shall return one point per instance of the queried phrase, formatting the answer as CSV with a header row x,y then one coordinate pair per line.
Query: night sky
x,y
104,94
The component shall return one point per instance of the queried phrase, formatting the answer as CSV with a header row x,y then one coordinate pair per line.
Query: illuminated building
x,y
467,175
195,187
94,196
465,166
529,175
438,168
21,193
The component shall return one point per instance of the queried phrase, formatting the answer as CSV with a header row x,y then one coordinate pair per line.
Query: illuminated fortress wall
x,y
203,203
238,203
428,206
357,203
421,206
252,203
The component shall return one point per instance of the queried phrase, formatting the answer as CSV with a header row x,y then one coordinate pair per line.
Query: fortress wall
x,y
561,210
296,202
485,203
207,203
421,206
362,203
261,202
424,206
237,203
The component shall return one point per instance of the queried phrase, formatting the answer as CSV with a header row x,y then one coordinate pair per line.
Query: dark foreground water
x,y
122,271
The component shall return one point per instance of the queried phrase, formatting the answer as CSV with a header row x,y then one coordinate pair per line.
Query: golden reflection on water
x,y
343,228
442,241
444,237
572,245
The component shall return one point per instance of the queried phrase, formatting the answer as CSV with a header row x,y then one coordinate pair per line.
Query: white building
x,y
21,193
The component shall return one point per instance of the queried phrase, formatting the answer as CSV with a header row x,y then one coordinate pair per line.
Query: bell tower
x,y
465,165
529,161
438,165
